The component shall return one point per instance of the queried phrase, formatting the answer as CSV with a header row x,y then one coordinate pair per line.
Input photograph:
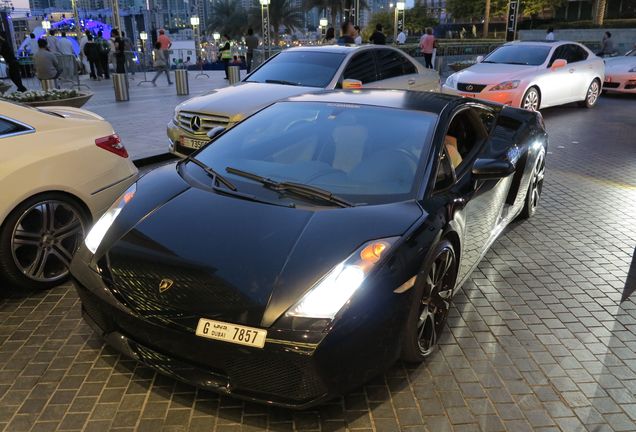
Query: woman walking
x,y
427,45
160,63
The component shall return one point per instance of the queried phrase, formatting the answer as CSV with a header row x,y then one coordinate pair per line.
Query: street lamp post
x,y
398,18
265,24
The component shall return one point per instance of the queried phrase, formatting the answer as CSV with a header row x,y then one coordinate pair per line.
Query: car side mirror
x,y
479,59
351,84
491,169
215,131
558,64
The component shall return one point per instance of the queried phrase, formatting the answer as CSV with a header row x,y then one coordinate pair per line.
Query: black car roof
x,y
404,99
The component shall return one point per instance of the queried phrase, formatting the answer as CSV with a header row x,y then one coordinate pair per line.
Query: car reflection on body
x,y
293,72
620,73
310,246
532,75
61,168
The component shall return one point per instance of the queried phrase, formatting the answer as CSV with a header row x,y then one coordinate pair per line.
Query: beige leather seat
x,y
450,142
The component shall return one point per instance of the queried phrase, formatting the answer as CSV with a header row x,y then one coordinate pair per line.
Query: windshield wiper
x,y
249,197
273,81
297,188
215,176
517,63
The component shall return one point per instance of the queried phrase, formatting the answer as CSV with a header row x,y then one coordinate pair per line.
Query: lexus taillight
x,y
113,144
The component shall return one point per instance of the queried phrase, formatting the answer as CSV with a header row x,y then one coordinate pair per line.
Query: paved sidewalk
x,y
141,122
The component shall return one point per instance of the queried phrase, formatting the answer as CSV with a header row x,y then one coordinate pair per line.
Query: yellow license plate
x,y
193,143
232,333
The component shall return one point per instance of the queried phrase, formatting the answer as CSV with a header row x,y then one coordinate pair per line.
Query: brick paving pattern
x,y
538,338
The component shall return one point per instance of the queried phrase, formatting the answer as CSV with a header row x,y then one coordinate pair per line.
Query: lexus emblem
x,y
469,87
165,285
195,123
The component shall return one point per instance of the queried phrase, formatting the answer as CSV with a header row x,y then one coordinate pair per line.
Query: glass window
x,y
361,67
7,127
559,53
392,64
302,68
346,149
531,55
575,53
445,174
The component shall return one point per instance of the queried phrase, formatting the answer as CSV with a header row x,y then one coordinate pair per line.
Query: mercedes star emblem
x,y
195,123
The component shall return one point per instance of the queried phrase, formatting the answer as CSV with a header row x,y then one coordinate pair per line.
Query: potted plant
x,y
38,98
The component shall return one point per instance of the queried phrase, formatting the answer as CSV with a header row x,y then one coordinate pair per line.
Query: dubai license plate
x,y
193,143
232,333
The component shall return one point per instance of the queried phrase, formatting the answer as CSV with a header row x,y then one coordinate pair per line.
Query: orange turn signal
x,y
373,252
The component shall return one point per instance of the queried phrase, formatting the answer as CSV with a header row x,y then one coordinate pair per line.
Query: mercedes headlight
x,y
451,81
99,230
506,85
334,290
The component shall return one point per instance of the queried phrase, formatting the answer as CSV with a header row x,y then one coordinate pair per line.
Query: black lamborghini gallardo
x,y
312,245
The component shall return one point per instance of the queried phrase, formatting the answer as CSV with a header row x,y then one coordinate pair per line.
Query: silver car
x,y
293,72
533,75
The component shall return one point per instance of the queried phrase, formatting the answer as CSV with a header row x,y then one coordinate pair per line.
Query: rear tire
x,y
531,100
38,240
534,188
431,302
592,94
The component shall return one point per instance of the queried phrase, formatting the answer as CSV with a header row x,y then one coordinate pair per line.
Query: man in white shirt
x,y
358,38
549,34
67,59
33,44
401,39
51,41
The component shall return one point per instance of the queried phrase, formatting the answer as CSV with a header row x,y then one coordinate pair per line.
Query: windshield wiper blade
x,y
249,197
273,81
517,63
298,188
215,176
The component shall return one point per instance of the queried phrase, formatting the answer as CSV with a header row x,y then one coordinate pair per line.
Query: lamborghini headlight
x,y
334,290
99,230
506,85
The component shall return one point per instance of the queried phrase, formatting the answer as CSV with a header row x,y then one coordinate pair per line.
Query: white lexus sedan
x,y
60,169
293,72
620,73
533,75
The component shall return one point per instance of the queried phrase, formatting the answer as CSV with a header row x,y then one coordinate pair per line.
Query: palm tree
x,y
281,13
228,17
599,12
334,7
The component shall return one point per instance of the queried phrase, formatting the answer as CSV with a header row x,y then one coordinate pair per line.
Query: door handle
x,y
411,81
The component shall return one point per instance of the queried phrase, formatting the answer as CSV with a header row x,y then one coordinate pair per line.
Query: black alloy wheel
x,y
38,240
535,187
433,291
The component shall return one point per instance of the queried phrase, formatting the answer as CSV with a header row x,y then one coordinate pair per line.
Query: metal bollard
x,y
181,81
48,84
120,81
233,74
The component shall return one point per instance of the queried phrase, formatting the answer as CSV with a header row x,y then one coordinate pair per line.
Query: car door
x,y
583,71
556,85
395,71
361,67
483,199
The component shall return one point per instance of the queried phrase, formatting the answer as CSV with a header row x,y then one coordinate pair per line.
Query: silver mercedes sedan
x,y
293,72
533,75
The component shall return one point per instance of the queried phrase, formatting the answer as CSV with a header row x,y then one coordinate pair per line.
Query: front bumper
x,y
175,133
620,83
284,373
510,97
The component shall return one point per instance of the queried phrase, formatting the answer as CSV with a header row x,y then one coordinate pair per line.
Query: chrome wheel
x,y
536,182
531,100
436,300
592,93
45,238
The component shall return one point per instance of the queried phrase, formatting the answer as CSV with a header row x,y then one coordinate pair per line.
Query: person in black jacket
x,y
6,51
378,38
91,51
120,52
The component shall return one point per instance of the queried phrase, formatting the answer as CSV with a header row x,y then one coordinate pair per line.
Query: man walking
x,y
378,38
401,37
6,51
67,56
166,43
251,42
226,54
103,50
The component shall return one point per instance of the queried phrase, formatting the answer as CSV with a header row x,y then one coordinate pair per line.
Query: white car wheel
x,y
591,97
531,100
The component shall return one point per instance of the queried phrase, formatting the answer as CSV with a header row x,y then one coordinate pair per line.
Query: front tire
x,y
591,97
432,297
535,187
38,240
531,100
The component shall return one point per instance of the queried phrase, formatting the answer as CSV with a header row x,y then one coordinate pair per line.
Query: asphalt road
x,y
542,337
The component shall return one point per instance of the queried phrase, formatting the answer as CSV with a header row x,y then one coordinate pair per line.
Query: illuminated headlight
x,y
451,81
506,85
334,290
99,230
